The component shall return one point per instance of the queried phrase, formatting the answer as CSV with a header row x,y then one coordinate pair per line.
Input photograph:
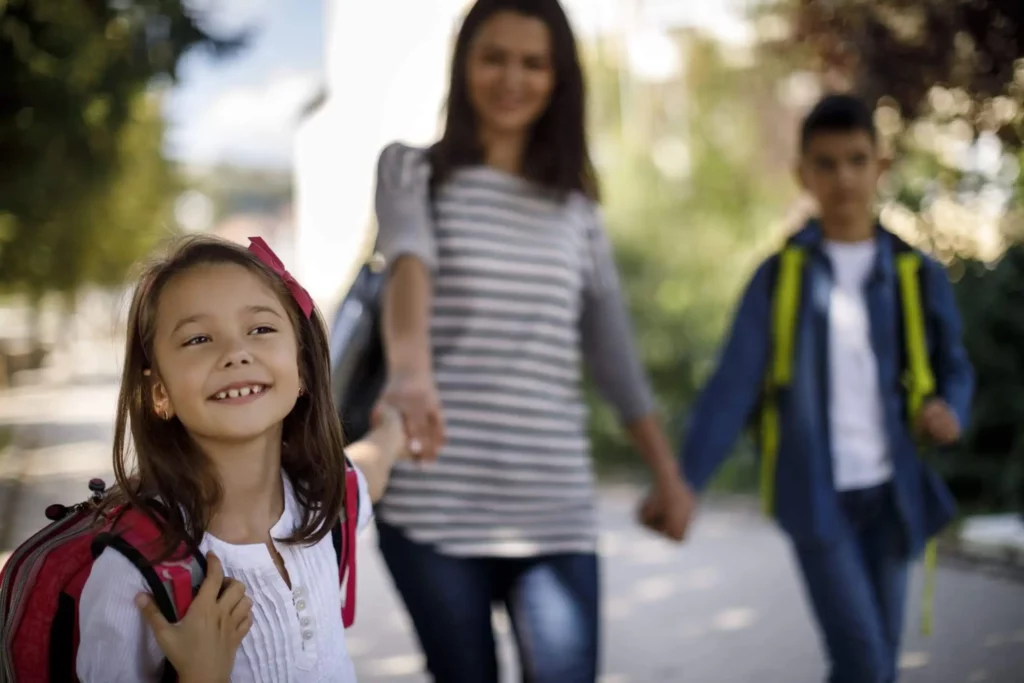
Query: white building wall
x,y
386,69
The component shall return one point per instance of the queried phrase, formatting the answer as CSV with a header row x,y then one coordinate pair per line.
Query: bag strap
x,y
173,583
785,309
344,537
919,379
918,375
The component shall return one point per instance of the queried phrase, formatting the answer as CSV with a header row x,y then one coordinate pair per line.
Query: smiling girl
x,y
226,394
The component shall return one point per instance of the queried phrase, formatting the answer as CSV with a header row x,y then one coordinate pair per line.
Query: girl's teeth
x,y
235,393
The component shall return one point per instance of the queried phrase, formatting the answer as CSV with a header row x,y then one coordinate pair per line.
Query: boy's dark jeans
x,y
858,587
552,603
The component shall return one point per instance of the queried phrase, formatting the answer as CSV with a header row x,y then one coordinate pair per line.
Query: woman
x,y
501,282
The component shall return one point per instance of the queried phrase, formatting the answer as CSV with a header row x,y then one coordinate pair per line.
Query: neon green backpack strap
x,y
785,309
918,379
919,382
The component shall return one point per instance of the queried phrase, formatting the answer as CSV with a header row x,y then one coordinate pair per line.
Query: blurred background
x,y
124,122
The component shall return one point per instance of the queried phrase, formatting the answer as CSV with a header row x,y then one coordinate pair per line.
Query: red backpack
x,y
43,579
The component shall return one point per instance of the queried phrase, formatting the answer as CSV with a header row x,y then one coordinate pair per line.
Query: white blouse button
x,y
307,634
300,605
305,621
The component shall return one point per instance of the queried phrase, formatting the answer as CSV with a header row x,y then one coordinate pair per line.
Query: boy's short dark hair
x,y
838,114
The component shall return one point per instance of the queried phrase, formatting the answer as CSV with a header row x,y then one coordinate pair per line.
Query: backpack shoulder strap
x,y
173,583
344,536
785,308
918,378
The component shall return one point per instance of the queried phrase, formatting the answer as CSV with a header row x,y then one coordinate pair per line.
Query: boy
x,y
849,487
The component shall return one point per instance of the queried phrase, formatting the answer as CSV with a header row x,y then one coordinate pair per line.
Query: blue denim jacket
x,y
807,505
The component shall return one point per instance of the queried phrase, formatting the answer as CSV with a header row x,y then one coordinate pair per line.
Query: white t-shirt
x,y
860,456
297,634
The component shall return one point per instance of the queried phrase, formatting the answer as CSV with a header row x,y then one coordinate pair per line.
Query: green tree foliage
x,y
73,114
901,50
988,472
128,220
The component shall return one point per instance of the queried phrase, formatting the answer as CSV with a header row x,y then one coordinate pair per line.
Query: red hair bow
x,y
268,258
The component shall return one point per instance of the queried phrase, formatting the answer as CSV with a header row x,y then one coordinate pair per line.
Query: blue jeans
x,y
858,588
552,602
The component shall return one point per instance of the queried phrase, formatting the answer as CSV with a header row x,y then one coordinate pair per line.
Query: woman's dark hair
x,y
170,467
556,155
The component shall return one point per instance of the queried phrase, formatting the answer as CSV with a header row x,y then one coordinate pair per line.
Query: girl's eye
x,y
263,329
196,340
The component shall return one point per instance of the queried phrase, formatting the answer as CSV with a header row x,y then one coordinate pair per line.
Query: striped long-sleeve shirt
x,y
525,293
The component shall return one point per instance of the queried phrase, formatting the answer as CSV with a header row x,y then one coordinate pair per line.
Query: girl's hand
x,y
202,645
387,423
386,416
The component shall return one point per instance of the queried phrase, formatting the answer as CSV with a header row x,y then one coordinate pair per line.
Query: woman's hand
x,y
668,509
202,645
414,395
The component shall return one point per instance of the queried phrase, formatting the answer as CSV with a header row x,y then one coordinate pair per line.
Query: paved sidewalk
x,y
724,608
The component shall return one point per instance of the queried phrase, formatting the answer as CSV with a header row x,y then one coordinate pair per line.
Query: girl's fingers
x,y
242,609
232,593
242,629
210,589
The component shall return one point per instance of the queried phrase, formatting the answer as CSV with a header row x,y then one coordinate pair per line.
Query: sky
x,y
242,109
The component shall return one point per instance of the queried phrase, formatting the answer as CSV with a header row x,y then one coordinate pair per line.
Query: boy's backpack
x,y
43,579
918,375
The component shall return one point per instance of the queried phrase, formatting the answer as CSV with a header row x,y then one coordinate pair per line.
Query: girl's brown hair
x,y
173,481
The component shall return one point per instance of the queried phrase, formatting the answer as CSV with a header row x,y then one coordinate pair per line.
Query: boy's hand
x,y
668,509
202,645
938,423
